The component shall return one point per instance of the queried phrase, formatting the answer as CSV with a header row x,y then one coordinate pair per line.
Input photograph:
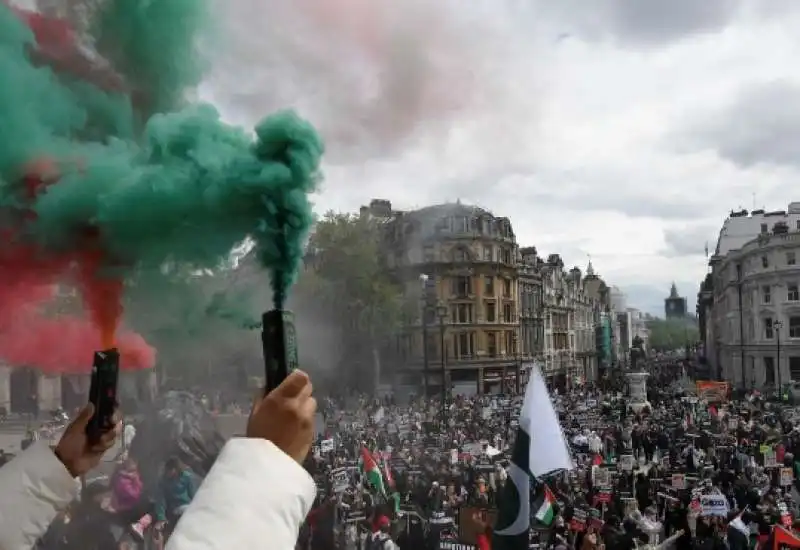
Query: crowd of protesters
x,y
688,469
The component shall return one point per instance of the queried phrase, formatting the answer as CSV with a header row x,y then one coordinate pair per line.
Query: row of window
x,y
463,255
483,225
464,313
462,286
771,327
790,256
765,227
769,369
792,293
463,345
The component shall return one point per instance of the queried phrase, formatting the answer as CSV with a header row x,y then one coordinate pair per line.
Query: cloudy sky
x,y
624,130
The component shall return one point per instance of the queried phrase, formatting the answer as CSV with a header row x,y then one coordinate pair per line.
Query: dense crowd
x,y
688,469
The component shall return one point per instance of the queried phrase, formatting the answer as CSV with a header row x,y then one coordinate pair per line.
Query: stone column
x,y
5,388
49,392
637,390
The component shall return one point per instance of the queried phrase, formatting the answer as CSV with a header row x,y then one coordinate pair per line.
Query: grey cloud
x,y
689,241
572,192
641,23
761,126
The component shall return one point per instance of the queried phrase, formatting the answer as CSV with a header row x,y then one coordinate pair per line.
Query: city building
x,y
460,263
606,324
674,305
569,348
584,330
531,299
749,304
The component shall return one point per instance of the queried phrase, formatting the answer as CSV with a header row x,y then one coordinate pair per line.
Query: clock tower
x,y
674,305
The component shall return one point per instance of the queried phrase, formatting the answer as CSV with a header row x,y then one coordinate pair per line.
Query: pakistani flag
x,y
371,471
538,450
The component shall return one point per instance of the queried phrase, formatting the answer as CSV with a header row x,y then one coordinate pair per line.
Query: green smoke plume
x,y
160,181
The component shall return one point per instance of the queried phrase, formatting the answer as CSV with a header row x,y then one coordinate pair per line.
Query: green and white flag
x,y
372,472
545,508
539,449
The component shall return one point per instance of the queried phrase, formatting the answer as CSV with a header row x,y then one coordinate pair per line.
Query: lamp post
x,y
778,326
441,313
517,361
424,303
741,322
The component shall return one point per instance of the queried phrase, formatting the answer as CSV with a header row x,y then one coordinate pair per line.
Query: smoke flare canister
x,y
103,391
279,339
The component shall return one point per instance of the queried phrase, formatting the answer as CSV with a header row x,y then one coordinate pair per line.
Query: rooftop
x,y
743,226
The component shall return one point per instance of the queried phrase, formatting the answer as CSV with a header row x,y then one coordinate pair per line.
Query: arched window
x,y
461,254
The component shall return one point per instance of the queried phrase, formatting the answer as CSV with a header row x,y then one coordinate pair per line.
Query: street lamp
x,y
778,325
517,361
441,312
423,279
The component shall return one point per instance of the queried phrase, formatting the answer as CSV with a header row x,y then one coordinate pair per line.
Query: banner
x,y
711,390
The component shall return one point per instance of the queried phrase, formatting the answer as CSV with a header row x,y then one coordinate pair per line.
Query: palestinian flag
x,y
387,475
545,507
370,470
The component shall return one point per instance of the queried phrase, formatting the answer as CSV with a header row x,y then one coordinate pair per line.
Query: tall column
x,y
49,392
5,388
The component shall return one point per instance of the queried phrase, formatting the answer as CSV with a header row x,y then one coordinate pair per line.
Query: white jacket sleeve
x,y
35,486
255,496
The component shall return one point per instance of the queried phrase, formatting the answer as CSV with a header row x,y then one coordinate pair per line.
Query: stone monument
x,y
637,391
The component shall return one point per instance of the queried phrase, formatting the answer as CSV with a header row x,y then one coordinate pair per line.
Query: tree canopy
x,y
672,334
346,306
349,277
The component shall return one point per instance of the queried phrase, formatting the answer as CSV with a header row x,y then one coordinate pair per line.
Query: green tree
x,y
672,334
348,278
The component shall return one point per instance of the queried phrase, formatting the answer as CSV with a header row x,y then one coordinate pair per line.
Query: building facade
x,y
606,324
749,304
460,264
570,354
531,303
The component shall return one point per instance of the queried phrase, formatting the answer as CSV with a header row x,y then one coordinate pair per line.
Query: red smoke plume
x,y
30,335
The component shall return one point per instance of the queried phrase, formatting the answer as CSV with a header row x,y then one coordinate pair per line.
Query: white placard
x,y
787,477
626,462
326,445
340,480
602,478
714,505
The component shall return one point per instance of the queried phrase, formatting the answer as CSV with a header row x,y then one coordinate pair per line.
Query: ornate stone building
x,y
569,326
460,263
531,304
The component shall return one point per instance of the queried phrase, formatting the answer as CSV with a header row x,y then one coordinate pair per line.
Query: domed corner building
x,y
460,267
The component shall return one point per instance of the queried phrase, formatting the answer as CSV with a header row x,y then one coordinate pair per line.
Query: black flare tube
x,y
280,346
103,391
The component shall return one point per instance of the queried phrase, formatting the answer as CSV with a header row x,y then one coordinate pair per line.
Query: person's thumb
x,y
257,399
82,420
